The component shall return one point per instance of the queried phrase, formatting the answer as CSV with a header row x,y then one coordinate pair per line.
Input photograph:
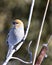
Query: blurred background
x,y
12,9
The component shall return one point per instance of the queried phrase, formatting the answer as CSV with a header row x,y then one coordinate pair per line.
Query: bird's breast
x,y
19,33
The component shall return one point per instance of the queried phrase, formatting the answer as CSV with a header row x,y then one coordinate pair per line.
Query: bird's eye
x,y
14,23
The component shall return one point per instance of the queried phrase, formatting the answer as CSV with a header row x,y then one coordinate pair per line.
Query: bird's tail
x,y
9,51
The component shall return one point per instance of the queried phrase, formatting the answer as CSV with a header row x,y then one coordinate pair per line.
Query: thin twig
x,y
21,60
39,37
30,17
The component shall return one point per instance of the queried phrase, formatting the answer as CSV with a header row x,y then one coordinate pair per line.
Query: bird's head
x,y
18,23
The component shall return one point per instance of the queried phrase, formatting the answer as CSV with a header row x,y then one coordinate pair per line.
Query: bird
x,y
15,34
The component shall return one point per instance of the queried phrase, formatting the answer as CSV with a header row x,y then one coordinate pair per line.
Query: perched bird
x,y
15,34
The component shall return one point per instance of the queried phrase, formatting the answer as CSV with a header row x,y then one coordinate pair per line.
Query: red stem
x,y
41,55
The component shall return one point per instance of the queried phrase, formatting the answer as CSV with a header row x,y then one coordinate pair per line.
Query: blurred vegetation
x,y
12,9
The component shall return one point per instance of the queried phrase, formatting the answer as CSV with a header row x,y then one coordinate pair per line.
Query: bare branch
x,y
29,20
21,60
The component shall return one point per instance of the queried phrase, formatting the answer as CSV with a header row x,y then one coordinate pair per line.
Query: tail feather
x,y
9,51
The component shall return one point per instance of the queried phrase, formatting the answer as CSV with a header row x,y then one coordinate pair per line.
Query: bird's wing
x,y
11,40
